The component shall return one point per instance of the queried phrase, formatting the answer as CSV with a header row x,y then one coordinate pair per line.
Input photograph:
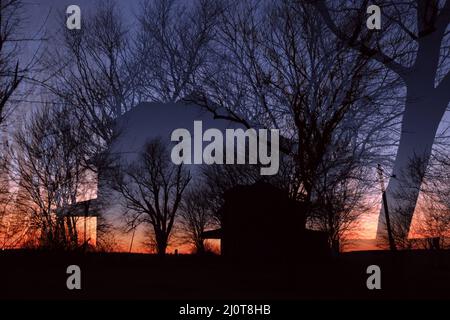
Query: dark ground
x,y
42,275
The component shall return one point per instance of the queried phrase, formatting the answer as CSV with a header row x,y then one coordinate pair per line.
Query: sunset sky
x,y
52,12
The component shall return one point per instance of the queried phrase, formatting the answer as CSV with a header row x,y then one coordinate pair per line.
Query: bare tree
x,y
277,66
19,53
20,50
96,73
152,189
414,45
50,173
432,220
172,46
341,197
196,216
12,225
11,72
432,224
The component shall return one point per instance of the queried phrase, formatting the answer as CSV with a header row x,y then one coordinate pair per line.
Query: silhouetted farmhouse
x,y
140,125
261,222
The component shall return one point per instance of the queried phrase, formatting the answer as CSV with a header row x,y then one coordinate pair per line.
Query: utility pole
x,y
132,238
386,210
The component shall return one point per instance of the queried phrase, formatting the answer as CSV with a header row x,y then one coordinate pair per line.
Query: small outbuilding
x,y
260,221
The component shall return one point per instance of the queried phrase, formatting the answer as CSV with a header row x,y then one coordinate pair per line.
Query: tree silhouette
x,y
172,46
278,66
12,225
152,189
432,220
412,44
341,197
50,174
11,74
93,71
196,216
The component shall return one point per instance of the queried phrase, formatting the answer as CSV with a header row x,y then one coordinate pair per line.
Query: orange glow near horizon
x,y
421,225
368,224
142,248
360,238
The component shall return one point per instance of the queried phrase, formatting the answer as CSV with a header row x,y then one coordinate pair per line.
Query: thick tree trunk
x,y
161,243
200,247
424,110
425,104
